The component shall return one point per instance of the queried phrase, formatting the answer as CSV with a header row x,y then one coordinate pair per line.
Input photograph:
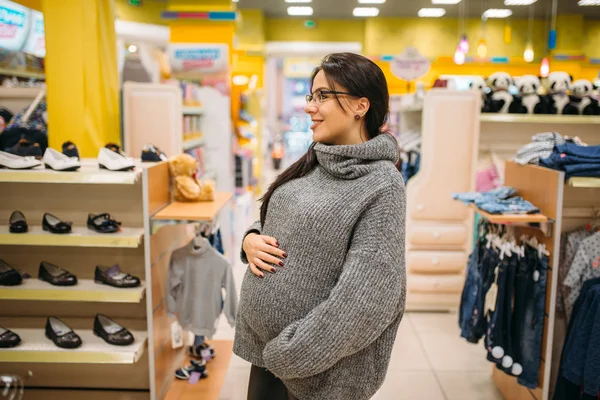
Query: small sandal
x,y
55,225
103,223
18,223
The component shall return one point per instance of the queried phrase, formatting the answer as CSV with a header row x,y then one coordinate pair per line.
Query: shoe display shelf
x,y
133,198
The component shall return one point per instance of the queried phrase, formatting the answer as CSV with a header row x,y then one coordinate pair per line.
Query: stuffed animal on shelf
x,y
558,100
499,99
582,98
478,84
186,187
528,101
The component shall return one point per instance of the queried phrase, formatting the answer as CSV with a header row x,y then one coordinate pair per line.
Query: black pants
x,y
266,386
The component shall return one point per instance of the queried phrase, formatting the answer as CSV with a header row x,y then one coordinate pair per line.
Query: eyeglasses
x,y
320,96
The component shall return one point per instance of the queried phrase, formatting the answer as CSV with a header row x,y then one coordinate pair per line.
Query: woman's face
x,y
331,125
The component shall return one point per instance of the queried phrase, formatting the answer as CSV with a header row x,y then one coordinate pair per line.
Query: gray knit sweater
x,y
326,322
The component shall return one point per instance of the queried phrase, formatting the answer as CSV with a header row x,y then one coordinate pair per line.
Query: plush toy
x,y
528,101
582,98
186,187
499,98
478,84
558,100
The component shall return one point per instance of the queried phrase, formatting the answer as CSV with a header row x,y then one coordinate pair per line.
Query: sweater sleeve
x,y
231,301
174,285
369,296
254,228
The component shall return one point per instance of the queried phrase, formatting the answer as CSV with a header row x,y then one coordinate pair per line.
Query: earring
x,y
357,117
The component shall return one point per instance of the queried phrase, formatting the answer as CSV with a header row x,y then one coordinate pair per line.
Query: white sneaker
x,y
108,159
59,162
11,161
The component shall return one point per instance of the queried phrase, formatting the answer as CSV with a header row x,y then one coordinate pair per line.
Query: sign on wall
x,y
14,25
36,42
410,65
201,58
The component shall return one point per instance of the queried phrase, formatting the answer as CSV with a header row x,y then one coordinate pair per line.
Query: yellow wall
x,y
250,32
327,30
148,13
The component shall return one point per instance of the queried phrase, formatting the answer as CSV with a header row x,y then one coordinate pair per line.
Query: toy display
x,y
528,101
582,98
499,98
558,100
186,187
478,84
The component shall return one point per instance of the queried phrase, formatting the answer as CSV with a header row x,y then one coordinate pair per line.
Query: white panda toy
x,y
478,84
582,98
499,99
528,101
557,99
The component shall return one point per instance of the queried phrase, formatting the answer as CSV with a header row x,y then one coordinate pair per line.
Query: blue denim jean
x,y
474,197
533,325
514,205
469,293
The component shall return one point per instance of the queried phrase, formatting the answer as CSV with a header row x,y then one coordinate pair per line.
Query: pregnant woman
x,y
324,293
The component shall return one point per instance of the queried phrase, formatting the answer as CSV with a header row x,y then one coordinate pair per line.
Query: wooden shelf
x,y
584,182
200,211
19,92
511,218
81,237
22,73
85,290
89,173
539,119
193,143
36,348
191,110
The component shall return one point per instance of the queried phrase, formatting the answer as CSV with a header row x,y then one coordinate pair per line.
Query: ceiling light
x,y
445,1
459,57
371,1
298,1
132,48
365,12
296,10
431,12
588,2
528,54
519,2
497,13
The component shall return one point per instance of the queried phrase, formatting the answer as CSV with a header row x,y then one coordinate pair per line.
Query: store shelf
x,y
36,348
191,110
85,290
81,236
22,73
19,92
89,173
200,211
584,182
539,119
193,143
511,218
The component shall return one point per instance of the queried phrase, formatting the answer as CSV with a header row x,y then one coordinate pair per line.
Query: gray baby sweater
x,y
194,292
326,322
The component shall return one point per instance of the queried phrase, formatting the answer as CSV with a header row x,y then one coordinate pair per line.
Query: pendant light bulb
x,y
528,54
464,44
482,49
459,56
545,68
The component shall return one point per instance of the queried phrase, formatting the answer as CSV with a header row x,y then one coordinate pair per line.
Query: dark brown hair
x,y
362,78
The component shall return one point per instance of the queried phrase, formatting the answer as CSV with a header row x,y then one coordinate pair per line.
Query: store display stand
x,y
143,370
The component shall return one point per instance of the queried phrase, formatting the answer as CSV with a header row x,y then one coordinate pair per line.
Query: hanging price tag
x,y
176,335
492,295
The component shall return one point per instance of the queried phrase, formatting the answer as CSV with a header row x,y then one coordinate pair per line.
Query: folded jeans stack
x,y
574,160
498,201
542,145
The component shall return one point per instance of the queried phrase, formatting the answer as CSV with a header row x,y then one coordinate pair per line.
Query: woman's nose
x,y
310,108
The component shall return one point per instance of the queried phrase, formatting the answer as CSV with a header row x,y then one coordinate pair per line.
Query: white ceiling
x,y
409,8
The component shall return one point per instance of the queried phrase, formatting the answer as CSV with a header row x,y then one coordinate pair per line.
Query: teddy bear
x,y
528,101
583,99
558,100
499,98
186,187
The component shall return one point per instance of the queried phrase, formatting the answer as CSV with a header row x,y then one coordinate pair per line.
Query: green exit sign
x,y
135,2
310,24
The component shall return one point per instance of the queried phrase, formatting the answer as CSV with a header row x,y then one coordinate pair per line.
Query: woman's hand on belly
x,y
262,250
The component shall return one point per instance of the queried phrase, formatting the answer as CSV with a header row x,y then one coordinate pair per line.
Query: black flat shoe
x,y
111,332
103,223
18,223
8,275
61,334
8,338
113,276
70,150
55,225
55,275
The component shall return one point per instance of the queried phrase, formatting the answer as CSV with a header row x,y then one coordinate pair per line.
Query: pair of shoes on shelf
x,y
12,161
8,275
101,223
55,275
26,155
151,153
27,148
61,162
8,338
112,158
53,224
196,366
204,351
113,276
105,328
17,222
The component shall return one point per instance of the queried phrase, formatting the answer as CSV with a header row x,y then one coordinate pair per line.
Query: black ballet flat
x,y
61,334
55,275
103,223
113,276
18,223
53,224
8,275
8,338
111,332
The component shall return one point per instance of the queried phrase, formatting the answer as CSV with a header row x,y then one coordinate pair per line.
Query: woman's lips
x,y
315,124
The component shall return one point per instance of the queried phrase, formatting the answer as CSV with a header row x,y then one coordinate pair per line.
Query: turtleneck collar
x,y
355,160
